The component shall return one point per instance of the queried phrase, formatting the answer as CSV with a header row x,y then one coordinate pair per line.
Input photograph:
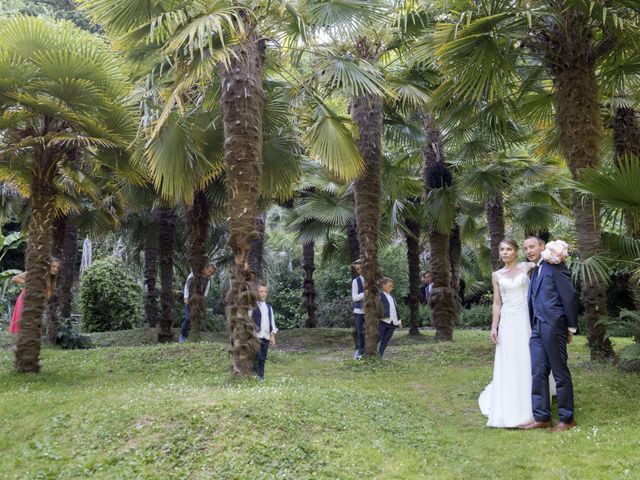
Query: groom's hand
x,y
569,336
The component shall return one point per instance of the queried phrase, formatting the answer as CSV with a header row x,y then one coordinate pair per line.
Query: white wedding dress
x,y
507,399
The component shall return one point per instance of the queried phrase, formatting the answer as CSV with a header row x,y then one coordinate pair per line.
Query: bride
x,y
507,399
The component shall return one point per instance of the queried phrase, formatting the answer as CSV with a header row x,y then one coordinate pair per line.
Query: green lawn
x,y
175,412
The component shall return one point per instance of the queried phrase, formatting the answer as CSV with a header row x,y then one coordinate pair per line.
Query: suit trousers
x,y
385,332
261,357
548,347
185,325
359,322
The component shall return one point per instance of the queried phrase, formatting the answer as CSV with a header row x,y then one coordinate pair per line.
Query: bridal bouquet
x,y
556,252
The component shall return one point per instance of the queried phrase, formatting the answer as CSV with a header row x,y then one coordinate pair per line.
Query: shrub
x,y
336,313
110,299
287,307
69,338
333,281
393,264
478,316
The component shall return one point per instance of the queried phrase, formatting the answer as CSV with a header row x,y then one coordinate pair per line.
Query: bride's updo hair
x,y
511,242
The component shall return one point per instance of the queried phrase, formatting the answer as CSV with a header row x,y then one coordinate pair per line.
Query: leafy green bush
x,y
70,339
337,313
627,324
333,281
287,307
393,264
110,299
478,316
424,313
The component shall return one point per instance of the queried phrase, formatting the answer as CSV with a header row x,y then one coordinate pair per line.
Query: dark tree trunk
x,y
354,254
626,133
242,104
571,55
41,227
442,299
308,287
495,221
65,249
455,254
51,319
413,263
150,279
354,246
256,257
366,111
68,272
197,230
166,218
626,140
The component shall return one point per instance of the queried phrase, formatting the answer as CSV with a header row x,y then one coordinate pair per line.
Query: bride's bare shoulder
x,y
528,266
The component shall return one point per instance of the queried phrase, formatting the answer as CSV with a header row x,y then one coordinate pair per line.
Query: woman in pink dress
x,y
20,279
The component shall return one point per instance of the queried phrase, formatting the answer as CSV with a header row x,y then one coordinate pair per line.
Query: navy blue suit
x,y
552,310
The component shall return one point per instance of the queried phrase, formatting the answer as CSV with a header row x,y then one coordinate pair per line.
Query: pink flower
x,y
556,252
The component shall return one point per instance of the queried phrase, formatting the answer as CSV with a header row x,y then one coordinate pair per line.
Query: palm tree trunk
x,y
442,299
455,254
67,275
495,221
571,55
150,278
626,133
65,248
197,230
256,258
51,320
354,254
166,218
41,226
366,111
413,263
308,287
242,105
353,244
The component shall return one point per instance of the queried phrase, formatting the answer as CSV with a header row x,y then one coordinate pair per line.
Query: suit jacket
x,y
424,293
257,318
386,307
552,297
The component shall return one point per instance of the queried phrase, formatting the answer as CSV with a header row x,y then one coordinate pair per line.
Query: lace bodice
x,y
513,287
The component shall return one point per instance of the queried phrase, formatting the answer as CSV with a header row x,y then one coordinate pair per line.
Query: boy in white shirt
x,y
357,296
265,328
390,320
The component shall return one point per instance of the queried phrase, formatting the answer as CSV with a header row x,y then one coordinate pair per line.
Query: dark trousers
x,y
359,322
385,332
548,346
185,325
261,357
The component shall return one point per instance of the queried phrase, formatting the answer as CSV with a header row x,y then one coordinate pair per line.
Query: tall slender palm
x,y
437,182
51,107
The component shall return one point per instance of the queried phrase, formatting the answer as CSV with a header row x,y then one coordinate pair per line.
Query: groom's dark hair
x,y
541,237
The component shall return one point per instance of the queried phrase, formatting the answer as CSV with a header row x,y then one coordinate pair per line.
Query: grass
x,y
174,411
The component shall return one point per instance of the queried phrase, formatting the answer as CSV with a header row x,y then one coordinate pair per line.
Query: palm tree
x,y
166,218
561,39
49,114
443,300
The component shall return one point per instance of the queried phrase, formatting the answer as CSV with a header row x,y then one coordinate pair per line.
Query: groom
x,y
554,317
